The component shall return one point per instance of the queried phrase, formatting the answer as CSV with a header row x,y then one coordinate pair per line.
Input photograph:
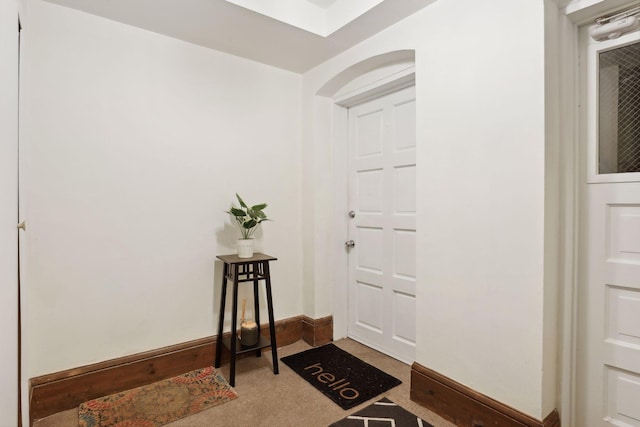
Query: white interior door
x,y
608,344
382,197
8,213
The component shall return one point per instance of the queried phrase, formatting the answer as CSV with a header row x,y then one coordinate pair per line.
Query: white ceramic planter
x,y
245,248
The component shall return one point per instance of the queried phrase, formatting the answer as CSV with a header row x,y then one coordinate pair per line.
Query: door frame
x,y
341,102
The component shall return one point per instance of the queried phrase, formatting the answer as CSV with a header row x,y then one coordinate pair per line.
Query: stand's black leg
x,y
272,324
256,301
234,327
223,298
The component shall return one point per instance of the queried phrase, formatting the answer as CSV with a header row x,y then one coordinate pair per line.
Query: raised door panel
x,y
622,394
369,133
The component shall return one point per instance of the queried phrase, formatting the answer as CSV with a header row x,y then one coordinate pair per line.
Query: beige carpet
x,y
284,400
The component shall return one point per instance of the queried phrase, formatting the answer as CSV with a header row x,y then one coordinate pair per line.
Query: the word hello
x,y
330,380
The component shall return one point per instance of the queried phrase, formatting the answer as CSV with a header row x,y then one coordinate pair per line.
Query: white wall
x,y
481,304
8,212
136,144
480,75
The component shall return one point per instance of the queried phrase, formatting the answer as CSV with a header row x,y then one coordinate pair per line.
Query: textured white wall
x,y
8,212
481,191
481,200
136,144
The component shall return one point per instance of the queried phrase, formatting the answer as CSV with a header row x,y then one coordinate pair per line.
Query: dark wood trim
x,y
60,391
317,332
466,407
552,420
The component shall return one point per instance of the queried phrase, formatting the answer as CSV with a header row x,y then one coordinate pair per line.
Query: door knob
x,y
22,226
349,244
352,214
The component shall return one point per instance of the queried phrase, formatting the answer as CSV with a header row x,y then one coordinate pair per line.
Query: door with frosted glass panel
x,y
608,342
382,198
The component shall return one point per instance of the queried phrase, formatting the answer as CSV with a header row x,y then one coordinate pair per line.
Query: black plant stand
x,y
239,270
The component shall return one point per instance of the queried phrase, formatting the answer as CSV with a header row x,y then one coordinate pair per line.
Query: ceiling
x,y
316,16
294,35
322,3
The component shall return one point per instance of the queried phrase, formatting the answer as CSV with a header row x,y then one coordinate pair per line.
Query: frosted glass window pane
x,y
619,110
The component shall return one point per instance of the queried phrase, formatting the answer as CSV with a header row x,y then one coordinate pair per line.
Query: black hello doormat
x,y
382,413
340,376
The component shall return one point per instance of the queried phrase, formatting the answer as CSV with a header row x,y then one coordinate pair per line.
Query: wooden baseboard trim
x,y
53,393
317,332
466,407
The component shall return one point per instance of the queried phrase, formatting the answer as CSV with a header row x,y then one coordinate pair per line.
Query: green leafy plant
x,y
248,218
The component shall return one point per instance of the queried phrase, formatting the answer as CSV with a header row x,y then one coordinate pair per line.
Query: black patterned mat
x,y
382,413
340,376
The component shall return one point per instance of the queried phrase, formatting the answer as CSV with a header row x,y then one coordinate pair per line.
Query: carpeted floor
x,y
284,400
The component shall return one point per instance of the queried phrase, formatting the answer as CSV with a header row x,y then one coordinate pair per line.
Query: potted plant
x,y
248,219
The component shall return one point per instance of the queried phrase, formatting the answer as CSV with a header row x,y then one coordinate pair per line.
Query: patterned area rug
x,y
382,413
159,403
340,376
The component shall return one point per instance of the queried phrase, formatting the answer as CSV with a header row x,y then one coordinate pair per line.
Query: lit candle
x,y
249,333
